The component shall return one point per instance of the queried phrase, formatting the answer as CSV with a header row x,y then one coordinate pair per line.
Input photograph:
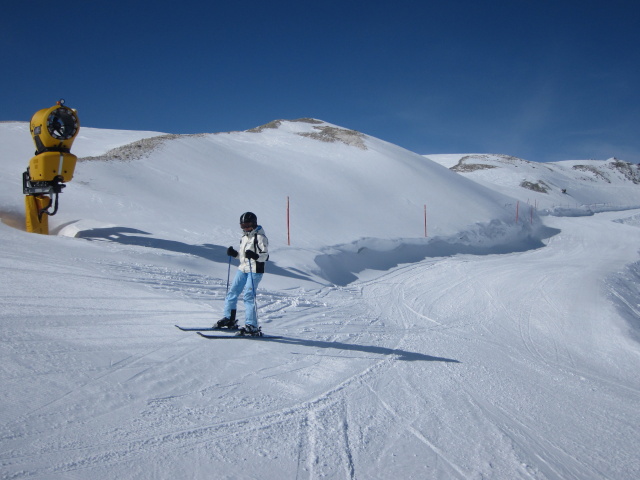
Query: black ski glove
x,y
232,252
251,254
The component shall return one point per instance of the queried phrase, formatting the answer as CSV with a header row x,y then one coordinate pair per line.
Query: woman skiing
x,y
253,254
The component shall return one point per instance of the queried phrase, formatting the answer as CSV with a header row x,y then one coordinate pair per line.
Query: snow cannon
x,y
53,130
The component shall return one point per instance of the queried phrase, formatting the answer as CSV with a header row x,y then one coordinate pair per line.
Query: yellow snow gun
x,y
53,130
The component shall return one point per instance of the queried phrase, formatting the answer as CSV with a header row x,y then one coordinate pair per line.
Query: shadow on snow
x,y
402,354
341,268
132,236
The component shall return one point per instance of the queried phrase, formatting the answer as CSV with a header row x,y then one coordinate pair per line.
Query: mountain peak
x,y
317,130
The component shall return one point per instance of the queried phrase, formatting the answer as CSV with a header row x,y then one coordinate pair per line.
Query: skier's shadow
x,y
401,354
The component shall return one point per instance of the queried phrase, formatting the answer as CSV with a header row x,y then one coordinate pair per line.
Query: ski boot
x,y
249,331
230,323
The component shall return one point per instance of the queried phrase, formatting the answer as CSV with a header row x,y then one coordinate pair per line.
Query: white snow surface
x,y
491,349
567,187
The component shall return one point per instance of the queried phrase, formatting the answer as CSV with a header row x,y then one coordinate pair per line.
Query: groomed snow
x,y
490,349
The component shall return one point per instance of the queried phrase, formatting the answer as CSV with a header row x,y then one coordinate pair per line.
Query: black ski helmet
x,y
250,218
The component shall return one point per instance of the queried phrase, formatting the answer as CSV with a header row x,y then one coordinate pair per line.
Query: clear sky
x,y
541,80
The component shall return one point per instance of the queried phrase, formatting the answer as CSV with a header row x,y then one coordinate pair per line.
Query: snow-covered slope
x,y
491,349
347,191
588,185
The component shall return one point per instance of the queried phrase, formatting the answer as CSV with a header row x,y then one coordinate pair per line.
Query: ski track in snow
x,y
432,370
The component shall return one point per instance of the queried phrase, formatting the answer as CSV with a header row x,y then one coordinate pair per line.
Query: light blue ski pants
x,y
243,281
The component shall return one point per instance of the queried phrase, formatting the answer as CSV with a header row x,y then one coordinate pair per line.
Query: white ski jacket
x,y
257,241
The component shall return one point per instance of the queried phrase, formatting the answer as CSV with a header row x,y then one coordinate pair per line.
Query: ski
x,y
205,329
263,337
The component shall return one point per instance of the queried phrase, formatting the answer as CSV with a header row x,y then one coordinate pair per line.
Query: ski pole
x,y
228,275
253,287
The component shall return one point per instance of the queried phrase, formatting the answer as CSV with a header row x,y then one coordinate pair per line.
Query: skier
x,y
253,254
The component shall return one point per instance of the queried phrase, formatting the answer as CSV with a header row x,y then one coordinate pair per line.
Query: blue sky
x,y
541,80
